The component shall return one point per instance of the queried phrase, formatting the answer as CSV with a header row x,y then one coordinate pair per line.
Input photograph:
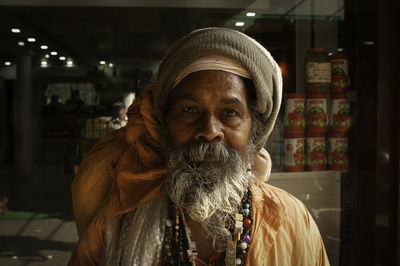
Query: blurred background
x,y
70,69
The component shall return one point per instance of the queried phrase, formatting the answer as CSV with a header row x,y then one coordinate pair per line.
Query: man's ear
x,y
261,166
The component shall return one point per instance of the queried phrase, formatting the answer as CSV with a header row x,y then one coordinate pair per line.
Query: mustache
x,y
202,151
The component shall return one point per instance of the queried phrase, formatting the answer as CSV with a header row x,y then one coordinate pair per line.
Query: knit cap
x,y
264,71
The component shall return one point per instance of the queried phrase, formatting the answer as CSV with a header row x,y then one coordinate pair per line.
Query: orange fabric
x,y
123,170
283,231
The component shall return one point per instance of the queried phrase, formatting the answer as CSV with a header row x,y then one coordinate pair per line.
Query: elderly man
x,y
183,182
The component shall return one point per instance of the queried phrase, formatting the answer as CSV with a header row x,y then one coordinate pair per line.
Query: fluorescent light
x,y
15,30
43,63
21,44
250,14
239,24
369,42
44,47
340,49
110,64
62,58
102,62
31,39
70,63
7,63
53,53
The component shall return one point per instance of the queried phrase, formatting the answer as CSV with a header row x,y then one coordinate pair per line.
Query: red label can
x,y
294,118
294,153
340,73
338,158
317,120
340,119
316,153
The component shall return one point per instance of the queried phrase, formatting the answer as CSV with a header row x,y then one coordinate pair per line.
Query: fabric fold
x,y
123,170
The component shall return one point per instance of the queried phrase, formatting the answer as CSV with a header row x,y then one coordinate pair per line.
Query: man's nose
x,y
209,129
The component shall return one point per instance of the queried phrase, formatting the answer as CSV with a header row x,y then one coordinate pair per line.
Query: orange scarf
x,y
123,170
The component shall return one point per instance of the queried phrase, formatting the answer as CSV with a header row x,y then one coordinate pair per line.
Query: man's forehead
x,y
228,87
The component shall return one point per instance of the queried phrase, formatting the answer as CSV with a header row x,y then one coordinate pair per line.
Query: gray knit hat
x,y
264,71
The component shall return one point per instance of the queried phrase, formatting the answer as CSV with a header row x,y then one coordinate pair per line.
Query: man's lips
x,y
208,157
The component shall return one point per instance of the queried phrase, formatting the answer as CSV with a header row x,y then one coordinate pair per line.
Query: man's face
x,y
210,106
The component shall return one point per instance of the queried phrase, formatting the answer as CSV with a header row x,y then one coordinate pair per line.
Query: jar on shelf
x,y
294,118
340,73
317,118
318,71
340,119
316,158
294,157
338,158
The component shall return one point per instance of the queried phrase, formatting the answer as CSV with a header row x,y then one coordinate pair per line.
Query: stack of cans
x,y
317,124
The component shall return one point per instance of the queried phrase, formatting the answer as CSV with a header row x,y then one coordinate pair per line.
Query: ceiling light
x,y
62,58
43,63
239,24
7,63
369,43
31,39
21,44
339,49
70,63
15,30
110,64
53,53
250,14
102,62
47,56
44,47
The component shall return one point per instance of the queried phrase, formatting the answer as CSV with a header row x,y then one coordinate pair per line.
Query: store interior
x,y
108,54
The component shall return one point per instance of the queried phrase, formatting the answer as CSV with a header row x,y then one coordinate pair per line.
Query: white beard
x,y
210,192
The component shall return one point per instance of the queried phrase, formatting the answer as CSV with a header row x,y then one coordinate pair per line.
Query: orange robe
x,y
283,233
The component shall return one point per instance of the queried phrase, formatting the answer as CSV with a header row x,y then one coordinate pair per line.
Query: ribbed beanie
x,y
264,71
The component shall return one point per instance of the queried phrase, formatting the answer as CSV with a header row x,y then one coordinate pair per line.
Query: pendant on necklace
x,y
230,257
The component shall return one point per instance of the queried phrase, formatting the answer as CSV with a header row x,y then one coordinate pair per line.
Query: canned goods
x,y
317,120
340,119
338,158
294,118
340,73
294,154
318,70
316,158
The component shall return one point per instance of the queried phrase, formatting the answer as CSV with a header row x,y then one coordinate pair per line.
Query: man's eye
x,y
230,113
190,109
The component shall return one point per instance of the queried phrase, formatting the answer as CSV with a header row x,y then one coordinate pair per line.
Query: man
x,y
182,184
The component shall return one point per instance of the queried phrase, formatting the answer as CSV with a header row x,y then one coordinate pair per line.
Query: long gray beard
x,y
210,192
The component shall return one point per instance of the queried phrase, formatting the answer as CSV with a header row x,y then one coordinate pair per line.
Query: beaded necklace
x,y
179,249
